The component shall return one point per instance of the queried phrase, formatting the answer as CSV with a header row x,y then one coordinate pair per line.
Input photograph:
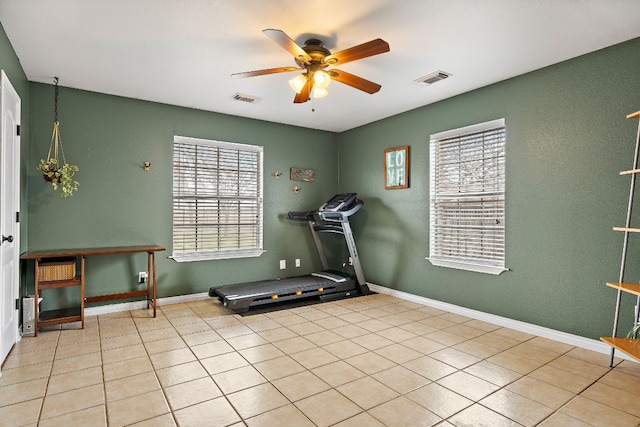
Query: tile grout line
x,y
40,413
173,413
155,374
104,382
298,333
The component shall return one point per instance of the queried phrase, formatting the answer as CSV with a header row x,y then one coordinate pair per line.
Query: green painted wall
x,y
567,139
118,203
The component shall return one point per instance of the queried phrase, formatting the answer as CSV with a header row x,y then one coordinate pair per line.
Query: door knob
x,y
7,238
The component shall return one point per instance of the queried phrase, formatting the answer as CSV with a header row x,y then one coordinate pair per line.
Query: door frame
x,y
7,89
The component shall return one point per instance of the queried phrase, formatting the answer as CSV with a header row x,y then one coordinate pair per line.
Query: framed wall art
x,y
396,168
300,174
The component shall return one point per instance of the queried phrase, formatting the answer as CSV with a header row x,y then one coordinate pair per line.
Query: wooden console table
x,y
76,314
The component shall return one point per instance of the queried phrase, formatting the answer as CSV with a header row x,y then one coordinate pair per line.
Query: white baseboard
x,y
137,305
552,334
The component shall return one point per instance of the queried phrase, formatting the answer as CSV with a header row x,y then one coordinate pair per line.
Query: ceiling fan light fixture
x,y
313,59
321,79
319,92
298,82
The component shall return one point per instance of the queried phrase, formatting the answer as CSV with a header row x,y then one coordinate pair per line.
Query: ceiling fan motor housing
x,y
315,49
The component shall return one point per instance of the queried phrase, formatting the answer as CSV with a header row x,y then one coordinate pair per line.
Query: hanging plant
x,y
633,333
60,176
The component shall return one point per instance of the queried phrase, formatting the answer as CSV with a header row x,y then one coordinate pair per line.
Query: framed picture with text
x,y
396,168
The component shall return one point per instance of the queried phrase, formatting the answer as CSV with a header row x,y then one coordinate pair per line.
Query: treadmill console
x,y
339,202
337,209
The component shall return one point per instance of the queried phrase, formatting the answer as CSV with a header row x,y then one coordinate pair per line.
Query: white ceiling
x,y
183,52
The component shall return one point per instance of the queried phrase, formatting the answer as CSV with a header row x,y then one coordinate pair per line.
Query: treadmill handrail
x,y
329,228
302,215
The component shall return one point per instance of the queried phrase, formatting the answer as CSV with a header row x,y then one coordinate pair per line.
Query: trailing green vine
x,y
633,333
61,177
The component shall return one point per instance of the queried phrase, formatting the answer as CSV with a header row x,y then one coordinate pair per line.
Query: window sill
x,y
209,256
460,265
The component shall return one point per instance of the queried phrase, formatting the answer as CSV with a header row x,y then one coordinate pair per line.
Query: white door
x,y
9,207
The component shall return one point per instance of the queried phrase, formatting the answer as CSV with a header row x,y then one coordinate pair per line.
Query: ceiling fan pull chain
x,y
310,83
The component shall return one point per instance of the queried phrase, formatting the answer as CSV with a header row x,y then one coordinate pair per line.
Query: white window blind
x,y
217,199
467,209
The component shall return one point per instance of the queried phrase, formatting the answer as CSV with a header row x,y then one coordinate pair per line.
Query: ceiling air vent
x,y
431,78
246,98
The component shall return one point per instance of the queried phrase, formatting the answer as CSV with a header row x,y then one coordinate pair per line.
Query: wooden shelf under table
x,y
54,284
631,288
629,347
57,317
627,229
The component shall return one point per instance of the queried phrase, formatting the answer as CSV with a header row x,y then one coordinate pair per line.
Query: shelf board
x,y
629,229
56,317
629,347
630,172
123,295
60,283
632,288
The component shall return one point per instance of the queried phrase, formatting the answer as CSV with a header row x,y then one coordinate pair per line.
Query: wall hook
x,y
147,165
277,174
297,189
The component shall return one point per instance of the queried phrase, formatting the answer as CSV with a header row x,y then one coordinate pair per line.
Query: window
x,y
467,198
217,200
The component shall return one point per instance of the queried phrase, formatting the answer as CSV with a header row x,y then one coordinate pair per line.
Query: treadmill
x,y
331,217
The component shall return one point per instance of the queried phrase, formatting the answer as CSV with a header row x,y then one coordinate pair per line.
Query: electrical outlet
x,y
142,277
283,264
297,262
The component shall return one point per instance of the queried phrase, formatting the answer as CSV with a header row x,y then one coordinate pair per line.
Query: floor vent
x,y
246,98
431,78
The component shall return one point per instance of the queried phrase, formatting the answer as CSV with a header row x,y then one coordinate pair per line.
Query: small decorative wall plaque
x,y
299,174
396,168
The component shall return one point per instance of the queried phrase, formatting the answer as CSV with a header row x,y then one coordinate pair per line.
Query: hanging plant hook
x,y
55,99
58,173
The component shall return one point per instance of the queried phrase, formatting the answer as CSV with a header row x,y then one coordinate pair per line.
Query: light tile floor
x,y
368,361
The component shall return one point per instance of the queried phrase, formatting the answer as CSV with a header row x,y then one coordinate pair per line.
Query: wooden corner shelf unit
x,y
65,315
44,259
630,347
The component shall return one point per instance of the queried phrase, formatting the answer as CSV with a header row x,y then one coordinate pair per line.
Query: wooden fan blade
x,y
364,50
354,81
288,44
304,94
266,71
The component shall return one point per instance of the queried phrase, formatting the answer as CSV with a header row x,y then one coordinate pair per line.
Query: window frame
x,y
481,264
218,253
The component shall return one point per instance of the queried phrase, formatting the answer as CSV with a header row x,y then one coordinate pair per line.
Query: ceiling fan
x,y
314,59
